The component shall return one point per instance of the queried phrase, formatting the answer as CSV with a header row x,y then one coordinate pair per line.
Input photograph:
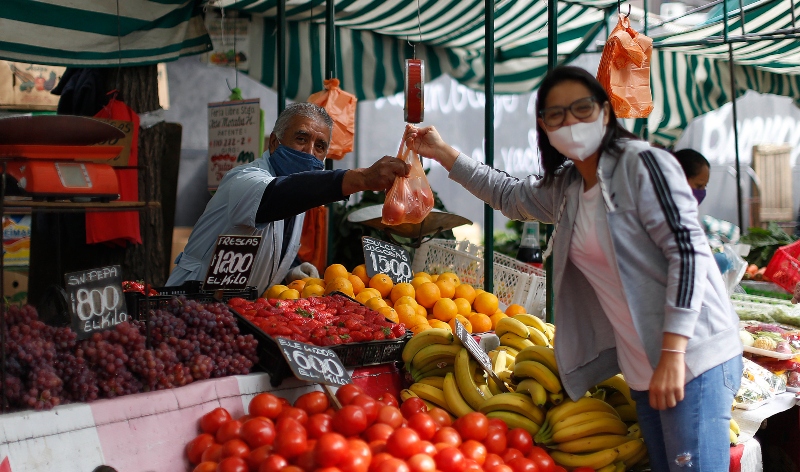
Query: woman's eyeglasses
x,y
580,109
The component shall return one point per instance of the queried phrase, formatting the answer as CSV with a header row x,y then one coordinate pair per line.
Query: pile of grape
x,y
47,366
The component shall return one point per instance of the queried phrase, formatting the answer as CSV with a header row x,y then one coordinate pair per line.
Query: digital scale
x,y
56,156
433,224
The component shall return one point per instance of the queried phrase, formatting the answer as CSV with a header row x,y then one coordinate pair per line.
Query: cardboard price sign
x,y
96,299
314,363
381,257
234,137
478,354
232,263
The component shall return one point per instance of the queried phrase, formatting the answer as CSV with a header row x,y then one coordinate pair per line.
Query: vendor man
x,y
269,197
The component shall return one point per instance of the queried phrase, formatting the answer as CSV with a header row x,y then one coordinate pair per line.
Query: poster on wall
x,y
229,36
233,136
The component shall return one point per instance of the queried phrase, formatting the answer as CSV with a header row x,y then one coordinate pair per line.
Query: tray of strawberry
x,y
358,335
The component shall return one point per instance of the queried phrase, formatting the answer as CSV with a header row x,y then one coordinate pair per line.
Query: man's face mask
x,y
287,161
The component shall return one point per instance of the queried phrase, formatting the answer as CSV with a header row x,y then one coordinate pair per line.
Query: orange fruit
x,y
382,283
333,271
480,323
515,309
314,281
465,291
312,290
434,277
495,318
445,309
388,302
439,324
364,296
446,288
407,314
389,313
274,291
416,329
375,303
417,281
360,271
423,274
451,277
421,311
297,285
464,307
420,319
403,289
406,300
486,303
479,291
358,284
463,321
428,294
289,294
339,284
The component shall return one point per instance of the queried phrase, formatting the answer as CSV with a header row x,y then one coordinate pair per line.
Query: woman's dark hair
x,y
691,161
552,160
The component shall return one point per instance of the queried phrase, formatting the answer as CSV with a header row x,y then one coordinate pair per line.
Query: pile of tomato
x,y
365,435
323,321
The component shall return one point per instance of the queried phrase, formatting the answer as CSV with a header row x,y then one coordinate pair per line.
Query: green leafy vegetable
x,y
764,242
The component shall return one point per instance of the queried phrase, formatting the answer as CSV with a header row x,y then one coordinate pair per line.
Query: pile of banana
x,y
524,330
734,432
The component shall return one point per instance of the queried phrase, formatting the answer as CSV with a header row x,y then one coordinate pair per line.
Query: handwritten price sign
x,y
381,257
313,363
232,263
95,298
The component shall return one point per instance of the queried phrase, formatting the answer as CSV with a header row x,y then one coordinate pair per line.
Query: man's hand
x,y
379,176
427,142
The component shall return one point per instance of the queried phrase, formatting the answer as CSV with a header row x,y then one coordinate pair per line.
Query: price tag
x,y
314,363
234,137
232,263
95,299
381,257
478,354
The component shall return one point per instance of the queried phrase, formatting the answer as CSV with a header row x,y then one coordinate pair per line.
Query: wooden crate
x,y
772,164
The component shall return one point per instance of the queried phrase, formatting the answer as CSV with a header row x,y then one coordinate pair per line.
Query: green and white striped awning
x,y
85,32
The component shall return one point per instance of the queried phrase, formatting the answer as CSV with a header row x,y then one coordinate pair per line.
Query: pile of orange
x,y
428,301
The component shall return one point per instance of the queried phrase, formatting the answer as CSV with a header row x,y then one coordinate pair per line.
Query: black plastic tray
x,y
138,304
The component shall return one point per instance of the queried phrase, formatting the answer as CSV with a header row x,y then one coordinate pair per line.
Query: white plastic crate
x,y
514,281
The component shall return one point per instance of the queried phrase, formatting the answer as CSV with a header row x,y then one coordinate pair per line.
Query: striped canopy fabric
x,y
85,32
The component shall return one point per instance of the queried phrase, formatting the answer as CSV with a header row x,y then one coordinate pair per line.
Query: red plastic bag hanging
x,y
341,106
624,71
410,199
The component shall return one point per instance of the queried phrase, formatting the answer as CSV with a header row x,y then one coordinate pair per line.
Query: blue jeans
x,y
694,434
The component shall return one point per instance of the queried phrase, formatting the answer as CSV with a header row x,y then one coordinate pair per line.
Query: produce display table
x,y
146,432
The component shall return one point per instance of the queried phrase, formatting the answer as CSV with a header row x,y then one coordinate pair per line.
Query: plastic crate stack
x,y
514,281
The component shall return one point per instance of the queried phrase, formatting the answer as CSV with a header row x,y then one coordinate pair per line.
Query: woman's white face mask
x,y
579,141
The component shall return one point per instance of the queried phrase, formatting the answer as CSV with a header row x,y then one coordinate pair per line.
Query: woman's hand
x,y
427,142
666,386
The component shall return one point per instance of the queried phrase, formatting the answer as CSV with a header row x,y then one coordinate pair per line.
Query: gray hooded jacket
x,y
669,278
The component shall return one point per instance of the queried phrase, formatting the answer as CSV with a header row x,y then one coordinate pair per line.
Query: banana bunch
x,y
430,353
734,432
524,330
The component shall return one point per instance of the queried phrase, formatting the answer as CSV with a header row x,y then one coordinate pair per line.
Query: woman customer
x,y
635,284
697,170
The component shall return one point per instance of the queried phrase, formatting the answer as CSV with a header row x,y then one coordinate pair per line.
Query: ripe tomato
x,y
233,464
378,431
211,421
235,448
318,425
291,412
355,463
450,459
228,431
402,443
312,403
274,463
472,465
413,405
307,460
290,443
447,435
473,426
197,446
331,448
560,469
346,393
510,454
440,417
474,450
376,447
392,465
328,469
258,432
522,464
390,415
499,468
520,439
351,420
389,399
426,447
421,463
423,424
369,405
542,459
492,460
359,448
378,459
495,441
266,405
258,456
212,454
206,467
287,424
245,418
292,468
496,423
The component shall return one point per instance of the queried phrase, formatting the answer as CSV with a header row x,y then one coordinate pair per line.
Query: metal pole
x,y
741,15
645,131
330,72
488,211
791,9
3,315
281,42
736,138
552,60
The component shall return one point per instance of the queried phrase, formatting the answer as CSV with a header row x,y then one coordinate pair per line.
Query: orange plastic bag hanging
x,y
341,106
410,199
624,71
